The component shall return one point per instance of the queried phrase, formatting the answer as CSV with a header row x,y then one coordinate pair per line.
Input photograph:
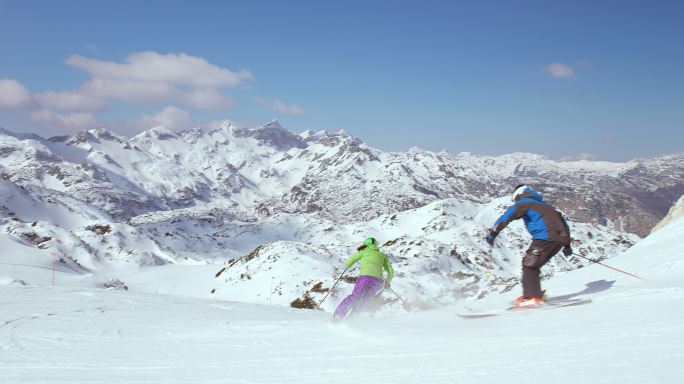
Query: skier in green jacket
x,y
370,280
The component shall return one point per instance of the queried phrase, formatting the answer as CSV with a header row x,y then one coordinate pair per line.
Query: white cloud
x,y
150,77
37,108
172,68
13,95
170,117
69,101
207,98
68,121
281,107
130,90
560,70
147,92
142,78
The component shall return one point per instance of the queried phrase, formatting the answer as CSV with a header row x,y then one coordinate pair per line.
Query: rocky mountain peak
x,y
271,134
334,139
159,132
94,136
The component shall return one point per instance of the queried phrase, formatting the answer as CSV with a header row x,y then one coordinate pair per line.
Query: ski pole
x,y
608,266
333,287
404,303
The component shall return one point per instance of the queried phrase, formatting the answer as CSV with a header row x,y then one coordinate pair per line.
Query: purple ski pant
x,y
365,288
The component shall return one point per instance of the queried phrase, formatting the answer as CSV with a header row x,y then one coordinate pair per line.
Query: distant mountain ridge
x,y
254,173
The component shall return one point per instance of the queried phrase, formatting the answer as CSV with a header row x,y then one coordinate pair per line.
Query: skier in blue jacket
x,y
550,233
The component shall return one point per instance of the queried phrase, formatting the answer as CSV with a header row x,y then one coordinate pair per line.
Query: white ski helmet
x,y
519,190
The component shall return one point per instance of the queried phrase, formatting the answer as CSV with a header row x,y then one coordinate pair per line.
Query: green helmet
x,y
369,241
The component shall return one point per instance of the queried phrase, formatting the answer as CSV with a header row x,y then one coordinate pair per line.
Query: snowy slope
x,y
44,227
673,214
437,252
633,332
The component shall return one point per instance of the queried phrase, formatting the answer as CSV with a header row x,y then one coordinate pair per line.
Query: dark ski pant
x,y
539,252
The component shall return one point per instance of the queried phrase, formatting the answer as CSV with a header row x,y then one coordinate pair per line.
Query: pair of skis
x,y
551,304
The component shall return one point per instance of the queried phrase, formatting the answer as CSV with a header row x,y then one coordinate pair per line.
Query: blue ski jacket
x,y
542,221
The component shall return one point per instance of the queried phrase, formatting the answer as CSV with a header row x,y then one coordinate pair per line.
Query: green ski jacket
x,y
372,262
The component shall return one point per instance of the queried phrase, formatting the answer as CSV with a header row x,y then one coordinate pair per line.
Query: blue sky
x,y
556,78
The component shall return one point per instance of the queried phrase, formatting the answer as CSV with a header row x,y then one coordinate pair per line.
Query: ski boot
x,y
521,298
521,302
532,302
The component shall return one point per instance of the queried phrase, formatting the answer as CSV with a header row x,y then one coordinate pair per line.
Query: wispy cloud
x,y
13,95
170,117
560,70
141,78
207,98
279,106
150,77
69,101
68,121
172,68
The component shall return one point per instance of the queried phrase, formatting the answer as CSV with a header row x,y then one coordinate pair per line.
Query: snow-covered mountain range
x,y
281,210
254,173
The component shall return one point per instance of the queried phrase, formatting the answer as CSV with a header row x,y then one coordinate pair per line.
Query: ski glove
x,y
388,285
490,238
567,250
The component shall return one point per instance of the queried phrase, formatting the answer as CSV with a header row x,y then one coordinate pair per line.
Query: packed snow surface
x,y
632,332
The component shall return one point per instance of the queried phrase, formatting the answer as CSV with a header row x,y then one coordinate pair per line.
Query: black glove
x,y
388,285
567,250
490,238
